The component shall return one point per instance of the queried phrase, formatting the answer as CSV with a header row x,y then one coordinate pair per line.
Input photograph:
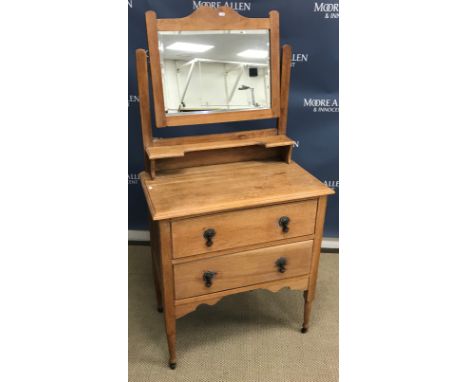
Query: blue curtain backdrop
x,y
311,27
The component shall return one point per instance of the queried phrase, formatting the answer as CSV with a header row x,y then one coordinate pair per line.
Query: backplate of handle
x,y
208,277
209,234
281,264
283,222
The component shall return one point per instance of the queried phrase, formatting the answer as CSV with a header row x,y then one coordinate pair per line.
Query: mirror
x,y
215,70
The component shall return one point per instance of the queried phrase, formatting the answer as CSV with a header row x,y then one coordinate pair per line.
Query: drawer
x,y
205,276
240,228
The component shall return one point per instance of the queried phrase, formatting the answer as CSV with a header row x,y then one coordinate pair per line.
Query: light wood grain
x,y
244,248
285,81
238,183
156,262
240,228
319,223
219,117
275,62
287,154
249,134
241,269
224,187
220,156
158,152
155,65
310,293
185,306
143,95
165,252
208,18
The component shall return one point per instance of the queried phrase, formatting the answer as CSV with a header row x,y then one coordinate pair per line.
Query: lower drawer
x,y
205,276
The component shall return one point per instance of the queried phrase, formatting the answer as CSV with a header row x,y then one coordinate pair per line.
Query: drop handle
x,y
281,264
209,234
208,277
283,222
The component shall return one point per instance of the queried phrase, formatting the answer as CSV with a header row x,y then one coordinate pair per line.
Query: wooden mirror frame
x,y
207,18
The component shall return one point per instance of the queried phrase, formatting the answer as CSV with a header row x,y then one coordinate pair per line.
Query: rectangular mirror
x,y
215,70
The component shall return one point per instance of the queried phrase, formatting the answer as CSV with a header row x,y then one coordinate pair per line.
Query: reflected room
x,y
215,71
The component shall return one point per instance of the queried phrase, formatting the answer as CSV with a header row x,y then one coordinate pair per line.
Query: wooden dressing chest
x,y
229,212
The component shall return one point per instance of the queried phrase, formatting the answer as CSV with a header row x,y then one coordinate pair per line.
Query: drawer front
x,y
206,276
239,228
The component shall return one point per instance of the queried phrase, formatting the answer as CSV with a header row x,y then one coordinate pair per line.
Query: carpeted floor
x,y
249,337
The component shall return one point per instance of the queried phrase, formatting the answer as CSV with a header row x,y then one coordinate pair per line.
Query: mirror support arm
x,y
189,78
231,95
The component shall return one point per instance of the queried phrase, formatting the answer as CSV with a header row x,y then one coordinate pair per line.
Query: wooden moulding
x,y
220,156
208,18
200,190
159,152
214,137
202,150
187,305
215,117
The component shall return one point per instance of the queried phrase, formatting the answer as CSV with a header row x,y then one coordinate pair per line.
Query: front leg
x,y
170,320
156,267
309,294
168,288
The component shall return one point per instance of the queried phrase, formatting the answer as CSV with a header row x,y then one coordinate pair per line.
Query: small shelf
x,y
175,151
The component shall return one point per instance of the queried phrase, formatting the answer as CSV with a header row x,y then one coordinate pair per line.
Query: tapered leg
x,y
171,337
168,289
309,294
307,309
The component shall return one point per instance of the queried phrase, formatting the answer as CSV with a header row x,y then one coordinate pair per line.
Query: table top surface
x,y
208,189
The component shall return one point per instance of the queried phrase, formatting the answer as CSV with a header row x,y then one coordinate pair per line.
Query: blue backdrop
x,y
311,27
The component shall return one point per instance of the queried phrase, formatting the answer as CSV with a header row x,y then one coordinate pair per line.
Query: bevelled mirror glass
x,y
215,70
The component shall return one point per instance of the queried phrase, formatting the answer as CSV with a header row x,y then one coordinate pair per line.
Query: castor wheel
x,y
160,309
304,330
172,365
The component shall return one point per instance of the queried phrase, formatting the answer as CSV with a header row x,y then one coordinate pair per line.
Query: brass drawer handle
x,y
283,222
208,277
281,264
209,234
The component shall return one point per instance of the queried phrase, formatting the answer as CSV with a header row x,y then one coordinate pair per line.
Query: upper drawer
x,y
239,228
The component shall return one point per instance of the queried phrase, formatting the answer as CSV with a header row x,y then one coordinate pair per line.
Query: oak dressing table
x,y
229,212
